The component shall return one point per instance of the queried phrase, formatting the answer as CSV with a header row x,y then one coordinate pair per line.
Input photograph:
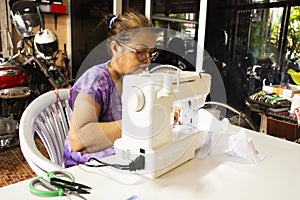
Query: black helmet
x,y
26,17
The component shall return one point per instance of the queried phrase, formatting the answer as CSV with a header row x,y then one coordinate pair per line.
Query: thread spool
x,y
167,80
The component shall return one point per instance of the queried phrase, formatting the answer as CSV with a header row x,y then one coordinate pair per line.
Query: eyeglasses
x,y
143,54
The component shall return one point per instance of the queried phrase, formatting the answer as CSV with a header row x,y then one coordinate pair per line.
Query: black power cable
x,y
137,164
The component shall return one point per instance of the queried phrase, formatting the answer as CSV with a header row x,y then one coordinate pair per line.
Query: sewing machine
x,y
149,101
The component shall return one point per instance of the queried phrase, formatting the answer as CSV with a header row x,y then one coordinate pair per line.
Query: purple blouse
x,y
98,83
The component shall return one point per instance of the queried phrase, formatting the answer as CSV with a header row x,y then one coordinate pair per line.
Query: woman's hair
x,y
128,20
123,27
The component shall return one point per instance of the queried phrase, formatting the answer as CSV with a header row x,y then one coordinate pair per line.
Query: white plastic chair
x,y
48,117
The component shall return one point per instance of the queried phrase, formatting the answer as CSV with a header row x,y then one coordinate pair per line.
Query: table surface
x,y
277,177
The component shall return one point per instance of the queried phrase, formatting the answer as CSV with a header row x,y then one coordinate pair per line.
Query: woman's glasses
x,y
142,54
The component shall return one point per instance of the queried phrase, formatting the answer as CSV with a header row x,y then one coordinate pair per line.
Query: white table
x,y
277,177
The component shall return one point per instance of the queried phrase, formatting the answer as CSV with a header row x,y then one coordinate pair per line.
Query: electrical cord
x,y
137,164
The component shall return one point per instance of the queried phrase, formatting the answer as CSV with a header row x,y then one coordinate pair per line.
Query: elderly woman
x,y
96,96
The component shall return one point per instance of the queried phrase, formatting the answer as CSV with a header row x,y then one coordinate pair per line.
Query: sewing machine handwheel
x,y
137,100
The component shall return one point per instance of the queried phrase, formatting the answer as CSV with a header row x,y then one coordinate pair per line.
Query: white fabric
x,y
234,146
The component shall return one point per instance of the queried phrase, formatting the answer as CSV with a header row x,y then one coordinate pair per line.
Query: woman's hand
x,y
177,120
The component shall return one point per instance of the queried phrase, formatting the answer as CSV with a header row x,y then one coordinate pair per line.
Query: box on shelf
x,y
61,9
45,7
53,8
284,91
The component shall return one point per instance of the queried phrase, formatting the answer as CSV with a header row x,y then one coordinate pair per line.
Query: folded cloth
x,y
242,148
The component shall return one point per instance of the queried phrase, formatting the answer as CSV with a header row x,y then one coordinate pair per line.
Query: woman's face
x,y
135,56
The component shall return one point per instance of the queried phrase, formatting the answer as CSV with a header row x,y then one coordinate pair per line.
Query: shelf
x,y
53,8
53,13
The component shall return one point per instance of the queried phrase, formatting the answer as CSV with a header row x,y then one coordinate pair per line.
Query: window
x,y
138,5
258,33
265,26
293,36
180,16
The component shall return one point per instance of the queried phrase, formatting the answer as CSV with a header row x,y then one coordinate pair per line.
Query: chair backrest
x,y
235,117
48,117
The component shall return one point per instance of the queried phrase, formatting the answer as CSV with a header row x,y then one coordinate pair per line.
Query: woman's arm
x,y
86,133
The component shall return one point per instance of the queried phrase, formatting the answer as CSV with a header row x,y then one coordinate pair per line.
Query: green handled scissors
x,y
56,185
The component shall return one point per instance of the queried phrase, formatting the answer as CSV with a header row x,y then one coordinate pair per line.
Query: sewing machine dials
x,y
148,102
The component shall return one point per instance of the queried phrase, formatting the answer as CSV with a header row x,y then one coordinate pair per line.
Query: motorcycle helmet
x,y
46,44
26,17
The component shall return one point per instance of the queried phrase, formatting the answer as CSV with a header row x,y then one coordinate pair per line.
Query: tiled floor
x,y
13,166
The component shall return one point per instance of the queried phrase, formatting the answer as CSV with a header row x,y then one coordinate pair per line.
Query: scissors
x,y
55,184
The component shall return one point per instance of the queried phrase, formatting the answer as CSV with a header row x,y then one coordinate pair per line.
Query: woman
x,y
95,97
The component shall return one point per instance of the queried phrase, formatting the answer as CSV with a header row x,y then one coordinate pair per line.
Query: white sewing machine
x,y
149,101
